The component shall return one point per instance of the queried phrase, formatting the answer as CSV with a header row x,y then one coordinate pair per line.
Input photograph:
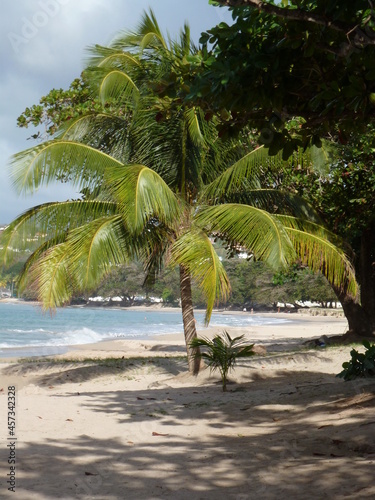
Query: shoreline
x,y
296,329
307,311
289,335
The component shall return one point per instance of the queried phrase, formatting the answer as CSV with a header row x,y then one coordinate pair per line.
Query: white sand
x,y
142,428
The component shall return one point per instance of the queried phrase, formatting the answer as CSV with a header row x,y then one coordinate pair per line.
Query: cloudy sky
x,y
43,46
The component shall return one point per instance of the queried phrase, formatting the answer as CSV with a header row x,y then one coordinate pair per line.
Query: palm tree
x,y
221,353
159,186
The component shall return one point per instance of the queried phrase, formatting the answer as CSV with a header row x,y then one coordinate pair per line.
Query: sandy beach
x,y
124,419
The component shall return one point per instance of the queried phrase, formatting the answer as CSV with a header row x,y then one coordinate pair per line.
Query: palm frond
x,y
119,60
258,160
118,85
155,242
315,228
51,277
233,178
146,35
83,126
194,128
103,131
151,32
110,57
151,40
316,251
141,193
184,43
23,280
47,221
76,261
276,201
94,248
81,164
159,145
195,251
253,229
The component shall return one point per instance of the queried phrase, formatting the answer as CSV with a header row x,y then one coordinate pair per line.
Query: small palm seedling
x,y
361,364
222,352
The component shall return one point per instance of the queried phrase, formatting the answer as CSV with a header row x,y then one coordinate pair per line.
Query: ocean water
x,y
25,329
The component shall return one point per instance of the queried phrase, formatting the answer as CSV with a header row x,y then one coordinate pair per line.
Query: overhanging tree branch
x,y
360,37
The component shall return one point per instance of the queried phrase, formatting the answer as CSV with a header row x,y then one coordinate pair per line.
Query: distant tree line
x,y
254,285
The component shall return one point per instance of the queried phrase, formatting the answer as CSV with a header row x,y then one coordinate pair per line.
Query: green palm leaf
x,y
194,126
150,40
315,249
255,230
248,167
48,221
82,164
195,251
96,247
102,131
141,193
118,85
119,60
147,34
314,228
24,279
79,262
87,125
50,275
233,178
110,57
275,200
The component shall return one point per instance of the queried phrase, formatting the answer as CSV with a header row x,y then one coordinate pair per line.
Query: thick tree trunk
x,y
361,316
367,273
189,321
358,320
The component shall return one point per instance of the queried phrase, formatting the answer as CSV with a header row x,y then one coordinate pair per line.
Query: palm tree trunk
x,y
188,319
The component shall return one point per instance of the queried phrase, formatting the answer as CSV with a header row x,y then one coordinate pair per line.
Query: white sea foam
x,y
23,325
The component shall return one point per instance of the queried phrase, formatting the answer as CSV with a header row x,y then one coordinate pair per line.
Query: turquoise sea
x,y
26,330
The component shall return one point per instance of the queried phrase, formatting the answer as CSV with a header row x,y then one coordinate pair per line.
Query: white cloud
x,y
42,46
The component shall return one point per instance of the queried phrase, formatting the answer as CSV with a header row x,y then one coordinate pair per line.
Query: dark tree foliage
x,y
345,199
311,60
